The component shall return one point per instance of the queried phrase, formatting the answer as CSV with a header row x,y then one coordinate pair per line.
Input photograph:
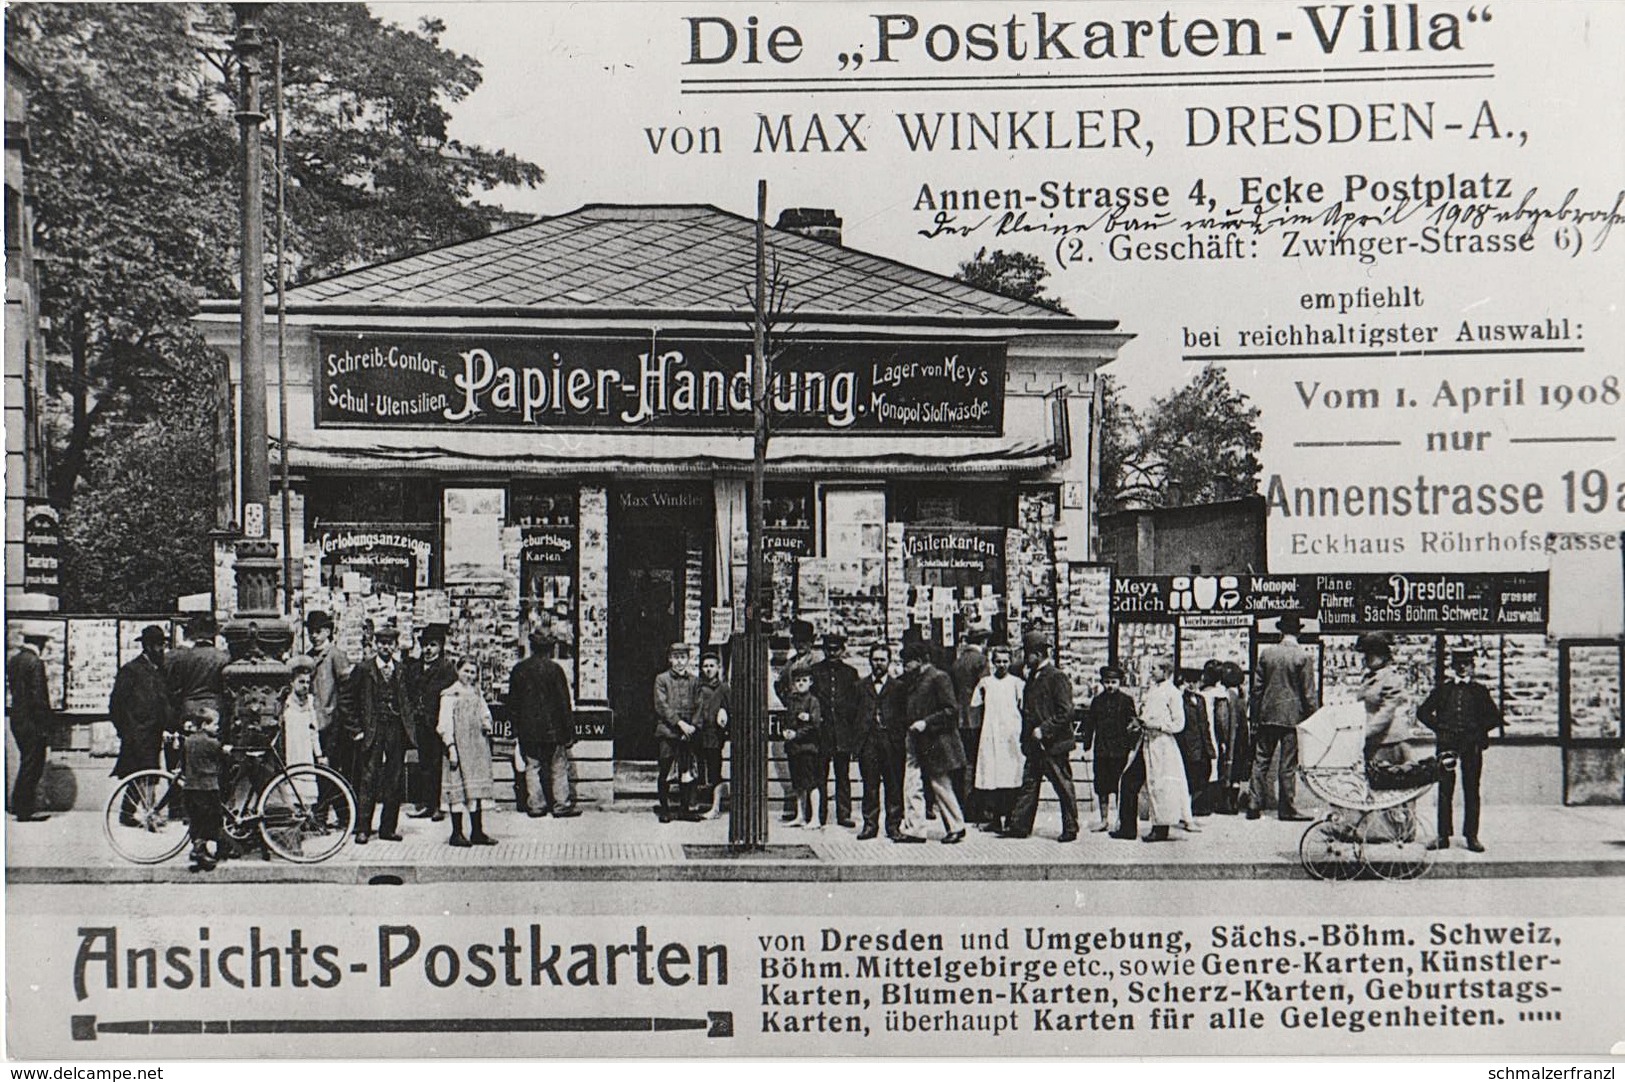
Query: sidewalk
x,y
1522,842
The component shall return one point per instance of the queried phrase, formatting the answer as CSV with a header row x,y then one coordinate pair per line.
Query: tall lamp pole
x,y
748,814
247,47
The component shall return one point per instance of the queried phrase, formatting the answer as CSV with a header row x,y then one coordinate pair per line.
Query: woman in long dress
x,y
300,722
1381,688
465,730
1162,717
999,761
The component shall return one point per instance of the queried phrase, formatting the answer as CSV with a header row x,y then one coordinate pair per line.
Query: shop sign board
x,y
1501,601
653,383
964,551
42,548
399,553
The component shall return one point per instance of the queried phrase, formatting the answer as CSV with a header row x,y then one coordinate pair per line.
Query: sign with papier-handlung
x,y
657,382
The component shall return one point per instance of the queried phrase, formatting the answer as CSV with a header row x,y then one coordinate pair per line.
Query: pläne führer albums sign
x,y
657,383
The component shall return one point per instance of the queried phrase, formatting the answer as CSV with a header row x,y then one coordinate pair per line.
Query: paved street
x,y
1543,841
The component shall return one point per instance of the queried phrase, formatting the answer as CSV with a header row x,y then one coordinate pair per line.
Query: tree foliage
x,y
1198,444
1014,274
133,182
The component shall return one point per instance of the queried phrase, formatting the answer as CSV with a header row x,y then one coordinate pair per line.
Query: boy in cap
x,y
200,781
803,656
674,725
712,699
1110,728
1461,712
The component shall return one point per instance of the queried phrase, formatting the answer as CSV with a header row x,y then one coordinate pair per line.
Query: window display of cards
x,y
1528,686
1140,644
92,664
1594,681
485,628
1342,668
1200,645
592,619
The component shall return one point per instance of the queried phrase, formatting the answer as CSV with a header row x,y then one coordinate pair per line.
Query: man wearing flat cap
x,y
1283,695
140,707
1047,739
835,686
29,708
1461,712
427,675
381,722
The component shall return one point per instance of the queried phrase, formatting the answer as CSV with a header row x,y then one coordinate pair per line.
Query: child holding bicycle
x,y
205,761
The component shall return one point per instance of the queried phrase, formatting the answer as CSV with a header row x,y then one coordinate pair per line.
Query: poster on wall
x,y
473,521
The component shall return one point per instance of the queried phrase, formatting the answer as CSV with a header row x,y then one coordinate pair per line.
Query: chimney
x,y
815,223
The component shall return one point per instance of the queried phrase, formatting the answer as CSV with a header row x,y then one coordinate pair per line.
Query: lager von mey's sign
x,y
656,383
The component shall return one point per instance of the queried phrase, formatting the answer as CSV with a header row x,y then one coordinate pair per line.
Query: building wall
x,y
24,348
1213,538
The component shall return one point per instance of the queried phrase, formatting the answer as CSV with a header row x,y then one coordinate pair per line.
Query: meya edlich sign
x,y
401,381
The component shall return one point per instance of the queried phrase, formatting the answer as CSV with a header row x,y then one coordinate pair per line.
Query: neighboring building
x,y
1203,538
32,575
554,418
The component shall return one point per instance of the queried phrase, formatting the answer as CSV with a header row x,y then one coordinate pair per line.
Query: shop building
x,y
551,425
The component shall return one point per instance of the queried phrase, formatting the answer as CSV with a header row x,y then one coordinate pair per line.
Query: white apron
x,y
1169,798
999,762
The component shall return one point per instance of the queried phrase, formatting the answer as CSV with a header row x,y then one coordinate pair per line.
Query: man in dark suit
x,y
931,710
430,673
140,707
380,716
196,672
969,666
882,748
30,711
544,725
1283,695
835,685
1461,712
1047,739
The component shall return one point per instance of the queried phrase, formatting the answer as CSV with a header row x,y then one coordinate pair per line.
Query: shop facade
x,y
551,427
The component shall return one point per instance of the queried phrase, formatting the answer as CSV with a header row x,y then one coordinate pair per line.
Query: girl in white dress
x,y
300,722
465,730
999,761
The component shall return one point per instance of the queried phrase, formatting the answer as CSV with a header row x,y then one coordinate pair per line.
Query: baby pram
x,y
1365,829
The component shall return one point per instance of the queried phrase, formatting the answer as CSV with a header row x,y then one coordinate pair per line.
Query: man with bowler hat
x,y
196,672
381,721
140,706
1461,712
326,679
1047,739
29,708
1283,695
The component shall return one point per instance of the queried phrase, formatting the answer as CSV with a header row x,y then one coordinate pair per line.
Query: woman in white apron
x,y
999,761
1162,715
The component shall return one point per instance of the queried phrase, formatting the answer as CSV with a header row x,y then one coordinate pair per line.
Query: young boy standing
x,y
802,744
674,725
200,777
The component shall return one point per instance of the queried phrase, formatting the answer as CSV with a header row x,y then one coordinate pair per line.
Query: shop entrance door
x,y
1589,676
651,535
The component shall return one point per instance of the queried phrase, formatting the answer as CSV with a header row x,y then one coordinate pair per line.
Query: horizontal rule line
x,y
1347,443
86,1027
1563,439
1129,84
1019,77
1378,353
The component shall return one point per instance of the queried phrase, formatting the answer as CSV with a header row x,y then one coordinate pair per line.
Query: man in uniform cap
x,y
428,675
835,685
30,712
1047,738
1461,712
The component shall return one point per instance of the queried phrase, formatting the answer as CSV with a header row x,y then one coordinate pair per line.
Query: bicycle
x,y
304,813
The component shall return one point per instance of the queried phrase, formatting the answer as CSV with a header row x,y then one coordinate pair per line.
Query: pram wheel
x,y
1330,850
1391,845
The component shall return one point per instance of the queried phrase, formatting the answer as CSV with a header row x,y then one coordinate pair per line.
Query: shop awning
x,y
1028,444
